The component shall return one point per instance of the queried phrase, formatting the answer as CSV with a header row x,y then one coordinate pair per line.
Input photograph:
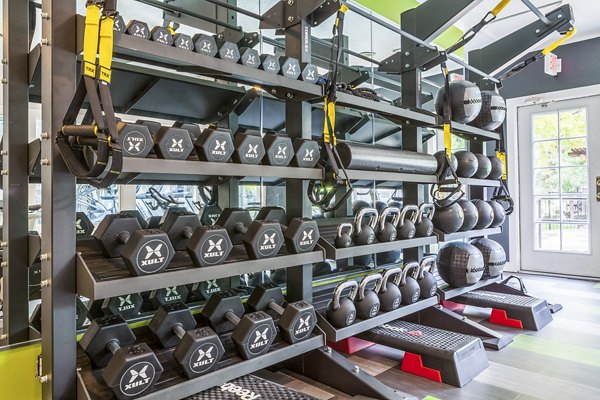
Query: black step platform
x,y
510,309
250,387
432,353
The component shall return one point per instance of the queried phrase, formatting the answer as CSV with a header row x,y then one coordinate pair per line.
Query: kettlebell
x,y
386,231
390,296
408,285
343,238
424,223
367,302
341,312
365,233
425,279
406,224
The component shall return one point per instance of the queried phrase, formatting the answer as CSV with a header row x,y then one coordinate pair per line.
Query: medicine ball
x,y
448,219
493,111
494,257
485,213
484,167
389,257
358,205
499,213
497,168
460,264
471,215
440,156
380,205
465,101
467,164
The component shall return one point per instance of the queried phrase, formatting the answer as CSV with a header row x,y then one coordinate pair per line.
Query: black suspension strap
x,y
502,193
322,193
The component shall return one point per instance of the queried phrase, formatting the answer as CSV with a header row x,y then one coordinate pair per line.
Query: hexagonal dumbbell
x,y
138,29
143,251
180,226
269,63
249,57
248,148
138,215
203,290
209,245
205,44
279,150
183,41
198,350
228,51
214,145
253,333
261,239
119,25
193,129
83,225
301,234
162,35
307,153
127,305
310,73
290,67
173,143
130,370
169,295
296,321
136,140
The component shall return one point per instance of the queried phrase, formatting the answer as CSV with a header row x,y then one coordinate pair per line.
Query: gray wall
x,y
580,67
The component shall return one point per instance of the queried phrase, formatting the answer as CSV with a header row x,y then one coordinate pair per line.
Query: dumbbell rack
x,y
66,272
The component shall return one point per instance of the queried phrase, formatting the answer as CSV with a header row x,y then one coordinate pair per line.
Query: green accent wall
x,y
17,373
391,9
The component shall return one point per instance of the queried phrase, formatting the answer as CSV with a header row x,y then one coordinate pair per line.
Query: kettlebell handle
x,y
362,286
407,267
337,293
387,274
384,214
422,208
343,225
405,210
429,263
359,216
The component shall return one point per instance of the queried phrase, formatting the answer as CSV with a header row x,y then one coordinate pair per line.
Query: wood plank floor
x,y
562,361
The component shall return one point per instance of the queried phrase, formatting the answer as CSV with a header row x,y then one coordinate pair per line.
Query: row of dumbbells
x,y
393,288
238,49
182,141
149,251
387,224
131,369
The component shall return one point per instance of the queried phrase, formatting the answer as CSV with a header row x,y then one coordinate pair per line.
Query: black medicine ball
x,y
493,111
440,156
494,256
471,215
448,219
467,164
497,168
485,213
465,101
484,167
499,213
460,264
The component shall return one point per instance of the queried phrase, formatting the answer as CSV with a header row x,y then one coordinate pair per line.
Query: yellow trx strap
x,y
502,156
329,128
560,41
499,7
106,47
90,40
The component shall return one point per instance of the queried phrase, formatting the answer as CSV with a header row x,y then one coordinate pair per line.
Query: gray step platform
x,y
250,387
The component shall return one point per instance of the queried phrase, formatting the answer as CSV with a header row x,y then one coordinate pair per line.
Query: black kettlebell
x,y
424,223
390,296
425,279
341,312
386,230
408,285
367,302
343,238
406,223
364,233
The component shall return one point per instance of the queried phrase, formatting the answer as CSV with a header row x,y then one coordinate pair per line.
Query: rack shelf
x,y
355,251
334,335
99,277
448,237
446,292
384,176
469,132
479,182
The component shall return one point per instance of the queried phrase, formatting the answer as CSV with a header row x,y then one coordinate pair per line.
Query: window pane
x,y
574,180
458,143
545,126
547,208
575,238
574,209
548,237
545,154
573,152
573,122
546,181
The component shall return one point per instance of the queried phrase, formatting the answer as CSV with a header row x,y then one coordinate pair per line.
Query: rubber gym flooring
x,y
562,361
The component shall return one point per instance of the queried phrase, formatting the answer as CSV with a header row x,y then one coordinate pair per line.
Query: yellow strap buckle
x,y
560,41
499,7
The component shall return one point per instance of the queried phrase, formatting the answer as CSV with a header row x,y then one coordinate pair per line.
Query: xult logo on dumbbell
x,y
212,287
261,339
304,326
137,378
252,151
172,294
212,250
309,155
203,359
150,258
218,151
176,146
307,239
135,143
125,303
281,152
269,243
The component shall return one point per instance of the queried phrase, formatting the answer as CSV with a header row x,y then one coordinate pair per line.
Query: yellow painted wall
x,y
17,373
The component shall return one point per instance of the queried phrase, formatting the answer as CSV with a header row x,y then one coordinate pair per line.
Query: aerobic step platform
x,y
509,309
250,387
432,353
